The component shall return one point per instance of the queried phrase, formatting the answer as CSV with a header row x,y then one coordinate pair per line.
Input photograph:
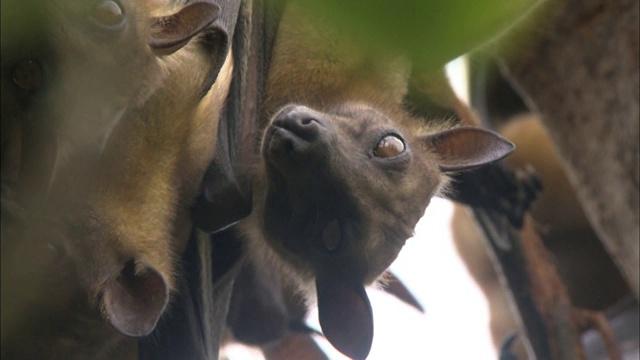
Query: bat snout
x,y
303,123
298,132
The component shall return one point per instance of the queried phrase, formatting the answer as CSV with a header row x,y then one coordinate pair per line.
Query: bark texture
x,y
580,72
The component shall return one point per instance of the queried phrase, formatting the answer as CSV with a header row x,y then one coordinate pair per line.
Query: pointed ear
x,y
397,288
135,300
345,315
170,33
467,147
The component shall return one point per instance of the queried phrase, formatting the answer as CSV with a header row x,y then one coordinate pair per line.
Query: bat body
x,y
344,172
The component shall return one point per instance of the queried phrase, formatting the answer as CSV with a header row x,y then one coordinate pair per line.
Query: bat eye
x,y
108,15
28,75
389,146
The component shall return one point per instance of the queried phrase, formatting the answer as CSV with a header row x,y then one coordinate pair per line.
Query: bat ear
x,y
134,301
467,147
345,316
397,288
170,33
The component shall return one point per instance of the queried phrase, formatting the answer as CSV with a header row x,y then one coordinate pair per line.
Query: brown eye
x,y
389,146
108,14
27,75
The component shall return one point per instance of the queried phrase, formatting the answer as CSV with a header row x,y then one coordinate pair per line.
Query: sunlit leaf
x,y
431,31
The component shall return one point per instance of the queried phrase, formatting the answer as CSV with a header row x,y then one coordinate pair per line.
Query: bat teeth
x,y
331,236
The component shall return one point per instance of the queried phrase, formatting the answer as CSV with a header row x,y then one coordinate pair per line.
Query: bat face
x,y
345,189
340,192
108,88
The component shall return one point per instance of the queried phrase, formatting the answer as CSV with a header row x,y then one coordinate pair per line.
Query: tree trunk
x,y
581,74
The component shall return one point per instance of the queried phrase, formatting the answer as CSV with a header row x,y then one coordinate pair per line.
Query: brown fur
x,y
375,250
155,164
316,66
353,97
130,205
313,65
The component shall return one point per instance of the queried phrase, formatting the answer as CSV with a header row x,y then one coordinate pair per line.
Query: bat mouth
x,y
325,234
311,213
311,223
304,228
332,236
280,142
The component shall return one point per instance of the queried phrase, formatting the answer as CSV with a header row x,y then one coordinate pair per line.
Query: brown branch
x,y
550,295
552,324
586,319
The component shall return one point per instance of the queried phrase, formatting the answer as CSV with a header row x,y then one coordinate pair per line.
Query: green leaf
x,y
432,32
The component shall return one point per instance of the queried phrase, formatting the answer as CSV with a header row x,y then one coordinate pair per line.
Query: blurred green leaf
x,y
432,32
23,23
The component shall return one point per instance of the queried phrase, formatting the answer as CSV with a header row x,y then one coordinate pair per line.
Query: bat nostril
x,y
302,117
297,133
307,121
303,123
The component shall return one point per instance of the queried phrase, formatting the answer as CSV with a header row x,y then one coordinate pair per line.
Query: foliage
x,y
432,32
